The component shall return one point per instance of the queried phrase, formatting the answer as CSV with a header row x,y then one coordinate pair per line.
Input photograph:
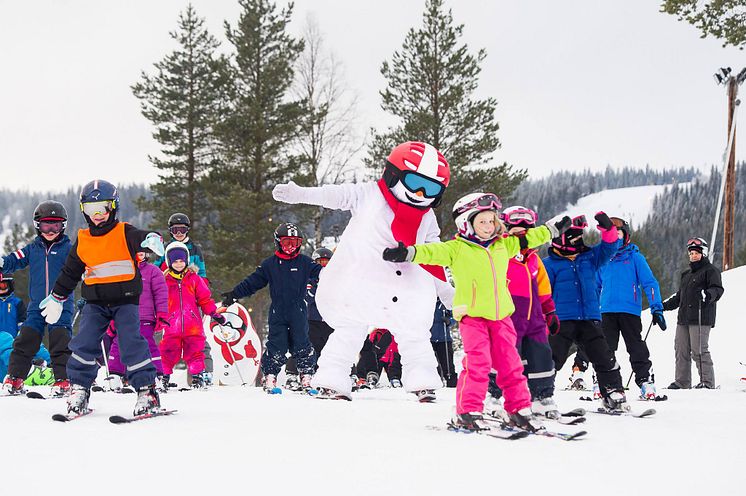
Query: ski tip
x,y
118,419
35,395
58,417
577,435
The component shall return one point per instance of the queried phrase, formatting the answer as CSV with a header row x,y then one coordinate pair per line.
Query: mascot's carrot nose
x,y
419,193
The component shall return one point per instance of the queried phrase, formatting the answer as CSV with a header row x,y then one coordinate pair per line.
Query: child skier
x,y
379,351
45,257
478,258
623,281
572,268
104,255
185,336
534,314
287,272
153,310
442,341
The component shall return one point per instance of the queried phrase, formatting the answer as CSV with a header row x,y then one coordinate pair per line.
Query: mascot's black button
x,y
398,272
394,299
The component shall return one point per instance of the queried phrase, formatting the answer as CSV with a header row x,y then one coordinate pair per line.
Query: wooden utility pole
x,y
730,182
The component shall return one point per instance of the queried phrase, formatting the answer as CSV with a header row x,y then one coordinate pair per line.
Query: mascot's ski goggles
x,y
580,222
520,216
290,243
178,229
50,226
99,207
484,202
415,182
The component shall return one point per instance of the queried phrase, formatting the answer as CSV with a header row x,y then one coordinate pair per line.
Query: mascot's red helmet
x,y
420,167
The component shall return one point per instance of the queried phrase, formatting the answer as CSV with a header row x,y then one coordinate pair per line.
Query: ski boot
x,y
198,382
163,382
77,401
361,384
647,391
269,383
472,421
331,394
492,387
673,385
425,395
60,388
596,390
616,401
524,419
546,407
372,379
702,385
395,383
353,379
293,382
207,378
495,408
148,400
305,382
13,386
577,383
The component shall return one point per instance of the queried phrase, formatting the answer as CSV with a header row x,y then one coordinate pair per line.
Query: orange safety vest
x,y
107,258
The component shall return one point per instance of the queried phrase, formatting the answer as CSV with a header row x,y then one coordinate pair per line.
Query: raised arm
x,y
334,196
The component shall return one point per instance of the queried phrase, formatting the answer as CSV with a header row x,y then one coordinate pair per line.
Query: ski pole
x,y
699,322
106,364
626,386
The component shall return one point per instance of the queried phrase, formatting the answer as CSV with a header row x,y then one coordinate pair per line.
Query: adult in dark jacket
x,y
700,288
442,341
623,282
287,272
44,257
572,269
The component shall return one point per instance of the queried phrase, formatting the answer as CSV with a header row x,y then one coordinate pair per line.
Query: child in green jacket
x,y
478,258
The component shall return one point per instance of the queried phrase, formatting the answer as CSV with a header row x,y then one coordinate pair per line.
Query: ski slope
x,y
233,440
632,204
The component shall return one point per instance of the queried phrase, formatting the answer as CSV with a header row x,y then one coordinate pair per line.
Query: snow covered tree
x,y
328,141
256,135
431,82
723,19
184,101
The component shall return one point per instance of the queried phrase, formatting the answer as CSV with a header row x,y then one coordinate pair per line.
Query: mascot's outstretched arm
x,y
334,196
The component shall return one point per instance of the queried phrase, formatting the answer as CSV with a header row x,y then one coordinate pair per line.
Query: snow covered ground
x,y
632,204
233,440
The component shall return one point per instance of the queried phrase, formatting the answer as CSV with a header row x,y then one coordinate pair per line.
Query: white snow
x,y
233,440
631,204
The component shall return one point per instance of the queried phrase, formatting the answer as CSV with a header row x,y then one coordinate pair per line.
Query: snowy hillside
x,y
632,204
233,440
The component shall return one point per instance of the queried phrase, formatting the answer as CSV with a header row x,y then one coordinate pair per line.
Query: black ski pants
x,y
630,327
370,359
588,335
318,333
444,354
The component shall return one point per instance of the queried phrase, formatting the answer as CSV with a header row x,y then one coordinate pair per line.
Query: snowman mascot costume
x,y
358,290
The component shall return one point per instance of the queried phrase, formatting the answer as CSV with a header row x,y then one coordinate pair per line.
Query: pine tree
x,y
184,100
430,86
723,19
256,133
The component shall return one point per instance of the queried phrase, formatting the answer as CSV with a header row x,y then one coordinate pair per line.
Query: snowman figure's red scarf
x,y
407,219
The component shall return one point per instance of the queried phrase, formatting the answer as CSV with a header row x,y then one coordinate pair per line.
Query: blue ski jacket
x,y
624,280
573,279
12,314
443,320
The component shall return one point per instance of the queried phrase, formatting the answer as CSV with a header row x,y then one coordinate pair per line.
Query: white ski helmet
x,y
698,244
176,250
470,205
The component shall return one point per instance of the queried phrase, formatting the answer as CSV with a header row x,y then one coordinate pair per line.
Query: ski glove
x,y
161,323
659,320
553,323
219,318
287,193
604,222
228,298
557,227
154,242
51,308
399,254
706,297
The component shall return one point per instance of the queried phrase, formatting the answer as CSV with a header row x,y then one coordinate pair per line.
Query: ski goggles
x,y
290,243
50,226
416,182
5,285
580,222
520,216
98,207
484,202
695,242
178,229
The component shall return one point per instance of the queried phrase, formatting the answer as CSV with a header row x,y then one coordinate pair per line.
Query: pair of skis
x,y
114,419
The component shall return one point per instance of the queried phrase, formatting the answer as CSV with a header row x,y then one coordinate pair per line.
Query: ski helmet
x,y
622,226
421,169
52,212
6,284
288,239
699,245
176,250
467,207
518,216
321,254
179,218
99,194
571,241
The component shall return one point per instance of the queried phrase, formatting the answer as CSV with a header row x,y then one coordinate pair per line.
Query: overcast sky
x,y
580,84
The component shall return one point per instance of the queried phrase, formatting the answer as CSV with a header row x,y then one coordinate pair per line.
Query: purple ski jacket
x,y
154,297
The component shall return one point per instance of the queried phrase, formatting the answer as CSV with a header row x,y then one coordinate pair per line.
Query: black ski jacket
x,y
699,276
